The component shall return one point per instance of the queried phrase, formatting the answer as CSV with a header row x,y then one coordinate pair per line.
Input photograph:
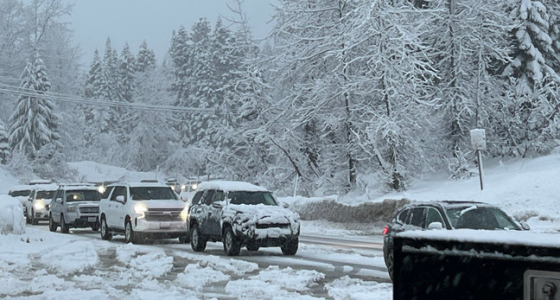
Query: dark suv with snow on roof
x,y
241,214
445,215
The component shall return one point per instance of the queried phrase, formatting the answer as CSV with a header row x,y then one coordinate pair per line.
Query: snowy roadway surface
x,y
44,265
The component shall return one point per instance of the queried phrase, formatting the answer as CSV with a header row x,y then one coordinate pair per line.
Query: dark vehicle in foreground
x,y
75,206
448,215
240,214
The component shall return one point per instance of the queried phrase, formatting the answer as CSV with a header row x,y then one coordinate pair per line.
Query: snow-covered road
x,y
46,265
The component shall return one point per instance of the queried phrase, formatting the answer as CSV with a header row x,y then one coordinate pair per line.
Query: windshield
x,y
22,193
152,193
83,195
44,194
480,218
252,198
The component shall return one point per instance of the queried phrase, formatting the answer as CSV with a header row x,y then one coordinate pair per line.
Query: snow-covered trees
x,y
4,144
34,123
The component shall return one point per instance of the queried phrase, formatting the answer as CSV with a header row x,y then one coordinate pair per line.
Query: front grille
x,y
168,215
272,225
89,210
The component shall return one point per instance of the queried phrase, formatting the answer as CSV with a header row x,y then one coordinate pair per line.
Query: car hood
x,y
165,204
262,214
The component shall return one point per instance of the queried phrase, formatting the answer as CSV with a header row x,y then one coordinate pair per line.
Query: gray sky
x,y
133,21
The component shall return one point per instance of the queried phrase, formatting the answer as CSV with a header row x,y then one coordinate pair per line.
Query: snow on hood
x,y
263,214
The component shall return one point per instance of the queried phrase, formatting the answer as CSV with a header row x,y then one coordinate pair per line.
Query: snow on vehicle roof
x,y
230,186
21,187
141,184
44,187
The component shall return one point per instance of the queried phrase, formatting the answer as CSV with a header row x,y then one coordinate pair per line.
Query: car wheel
x,y
52,225
105,234
252,247
27,218
33,220
198,243
183,239
232,246
389,263
129,234
63,226
291,247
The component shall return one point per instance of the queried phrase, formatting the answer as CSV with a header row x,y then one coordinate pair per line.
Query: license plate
x,y
92,219
164,225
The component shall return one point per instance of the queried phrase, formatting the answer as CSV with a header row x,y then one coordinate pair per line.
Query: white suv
x,y
37,206
142,210
75,205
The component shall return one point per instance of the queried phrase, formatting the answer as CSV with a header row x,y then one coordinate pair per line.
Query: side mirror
x,y
58,200
435,225
184,198
120,198
285,205
525,226
217,205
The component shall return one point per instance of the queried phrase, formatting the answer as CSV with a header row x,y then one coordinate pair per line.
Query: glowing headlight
x,y
101,189
39,206
140,209
194,186
185,214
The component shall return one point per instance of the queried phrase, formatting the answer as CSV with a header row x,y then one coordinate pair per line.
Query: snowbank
x,y
11,216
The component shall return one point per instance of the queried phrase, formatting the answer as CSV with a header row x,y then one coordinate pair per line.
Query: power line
x,y
109,103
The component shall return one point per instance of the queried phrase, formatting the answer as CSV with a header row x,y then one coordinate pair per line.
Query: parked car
x,y
21,192
144,210
38,203
241,214
75,206
448,215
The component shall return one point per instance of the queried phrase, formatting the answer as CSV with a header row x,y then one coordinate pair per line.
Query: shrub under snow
x,y
11,216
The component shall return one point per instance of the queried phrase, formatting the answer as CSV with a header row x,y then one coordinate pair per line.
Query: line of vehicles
x,y
238,214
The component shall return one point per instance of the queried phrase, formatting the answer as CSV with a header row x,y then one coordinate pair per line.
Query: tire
x,y
95,226
129,234
33,220
105,233
27,218
291,247
252,247
52,225
64,228
185,239
232,246
389,263
198,243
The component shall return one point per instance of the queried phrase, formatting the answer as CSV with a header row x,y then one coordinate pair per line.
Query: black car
x,y
445,215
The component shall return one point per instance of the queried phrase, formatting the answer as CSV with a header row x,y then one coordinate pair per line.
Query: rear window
x,y
83,195
22,193
252,198
152,193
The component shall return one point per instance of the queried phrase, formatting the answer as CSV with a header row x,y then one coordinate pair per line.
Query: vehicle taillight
x,y
385,230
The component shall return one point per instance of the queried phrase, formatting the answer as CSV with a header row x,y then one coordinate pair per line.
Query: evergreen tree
x,y
126,75
33,124
179,53
146,59
94,82
4,145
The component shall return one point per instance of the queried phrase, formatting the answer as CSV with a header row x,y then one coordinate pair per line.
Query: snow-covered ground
x,y
39,264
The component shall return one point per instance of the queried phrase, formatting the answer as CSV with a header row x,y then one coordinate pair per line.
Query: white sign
x,y
478,139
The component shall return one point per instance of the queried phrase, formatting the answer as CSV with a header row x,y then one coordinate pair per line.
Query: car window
x,y
433,215
58,194
417,217
107,192
402,216
196,198
152,193
21,193
82,195
119,191
218,196
252,198
208,196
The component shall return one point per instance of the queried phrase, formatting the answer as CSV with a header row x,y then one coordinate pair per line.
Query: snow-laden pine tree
x,y
4,144
179,54
34,123
145,59
530,113
125,89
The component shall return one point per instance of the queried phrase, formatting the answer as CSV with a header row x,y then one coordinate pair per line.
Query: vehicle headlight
x,y
140,209
194,186
39,206
185,214
101,189
71,209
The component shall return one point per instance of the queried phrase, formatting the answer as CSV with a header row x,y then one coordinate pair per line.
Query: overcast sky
x,y
133,21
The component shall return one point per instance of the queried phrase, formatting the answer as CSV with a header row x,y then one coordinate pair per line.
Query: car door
x,y
56,205
204,212
115,209
214,226
433,216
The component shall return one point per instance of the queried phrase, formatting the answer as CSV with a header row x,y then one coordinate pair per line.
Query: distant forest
x,y
344,95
